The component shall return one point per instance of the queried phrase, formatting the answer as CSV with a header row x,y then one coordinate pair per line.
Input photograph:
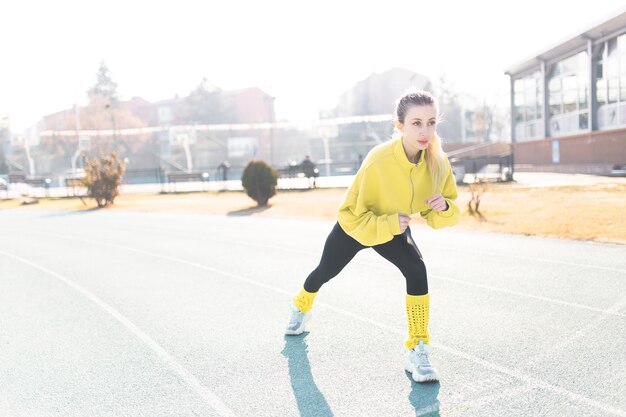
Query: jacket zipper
x,y
417,164
412,191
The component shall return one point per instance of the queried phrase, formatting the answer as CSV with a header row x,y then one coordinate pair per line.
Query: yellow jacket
x,y
388,184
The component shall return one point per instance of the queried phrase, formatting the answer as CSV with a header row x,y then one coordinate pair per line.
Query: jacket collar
x,y
398,152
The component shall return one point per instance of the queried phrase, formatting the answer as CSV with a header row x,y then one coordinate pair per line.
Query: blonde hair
x,y
435,156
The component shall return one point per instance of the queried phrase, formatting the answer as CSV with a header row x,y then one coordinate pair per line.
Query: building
x,y
568,102
377,93
362,119
249,105
143,132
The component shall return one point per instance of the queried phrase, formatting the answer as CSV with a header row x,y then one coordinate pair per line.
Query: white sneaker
x,y
418,363
297,321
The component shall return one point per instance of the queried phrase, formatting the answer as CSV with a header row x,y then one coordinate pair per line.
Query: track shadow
x,y
310,400
248,211
423,397
483,219
64,213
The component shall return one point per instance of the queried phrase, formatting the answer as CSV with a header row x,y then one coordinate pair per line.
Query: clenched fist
x,y
404,221
437,202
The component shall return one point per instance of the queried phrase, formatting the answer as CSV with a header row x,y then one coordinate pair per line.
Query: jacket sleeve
x,y
451,216
359,221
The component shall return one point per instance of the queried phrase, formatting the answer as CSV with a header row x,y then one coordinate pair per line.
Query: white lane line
x,y
532,258
581,333
479,402
465,250
611,311
618,306
537,383
206,394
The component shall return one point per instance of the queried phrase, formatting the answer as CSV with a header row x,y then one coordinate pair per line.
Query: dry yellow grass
x,y
589,212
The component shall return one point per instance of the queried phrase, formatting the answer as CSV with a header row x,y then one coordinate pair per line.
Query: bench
x,y
38,182
175,177
619,170
17,177
74,183
296,171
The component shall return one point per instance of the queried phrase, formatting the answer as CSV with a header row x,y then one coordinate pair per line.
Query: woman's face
x,y
418,128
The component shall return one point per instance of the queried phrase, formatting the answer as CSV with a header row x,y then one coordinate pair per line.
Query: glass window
x,y
556,70
583,121
555,107
600,52
554,85
518,99
601,92
611,62
611,47
531,112
518,86
570,65
570,97
570,83
569,107
519,113
582,98
611,67
622,52
622,94
529,99
613,90
582,64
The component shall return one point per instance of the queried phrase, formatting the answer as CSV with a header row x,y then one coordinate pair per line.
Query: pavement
x,y
160,314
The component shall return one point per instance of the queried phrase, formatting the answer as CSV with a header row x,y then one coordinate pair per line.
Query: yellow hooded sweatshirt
x,y
388,184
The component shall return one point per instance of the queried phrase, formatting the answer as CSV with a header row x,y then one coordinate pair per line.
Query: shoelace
x,y
422,358
295,318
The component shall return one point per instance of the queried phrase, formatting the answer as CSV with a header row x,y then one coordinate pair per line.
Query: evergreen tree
x,y
105,86
206,104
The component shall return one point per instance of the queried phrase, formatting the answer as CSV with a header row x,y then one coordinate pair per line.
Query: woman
x,y
406,175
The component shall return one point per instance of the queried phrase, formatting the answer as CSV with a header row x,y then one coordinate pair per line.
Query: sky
x,y
305,54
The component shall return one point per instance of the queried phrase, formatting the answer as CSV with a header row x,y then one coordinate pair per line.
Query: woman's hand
x,y
437,202
404,221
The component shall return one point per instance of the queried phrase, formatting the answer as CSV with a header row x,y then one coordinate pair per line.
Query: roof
x,y
610,25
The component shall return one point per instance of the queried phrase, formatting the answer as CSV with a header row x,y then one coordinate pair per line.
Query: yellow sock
x,y
417,309
304,300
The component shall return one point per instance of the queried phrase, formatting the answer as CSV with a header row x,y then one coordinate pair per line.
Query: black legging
x,y
341,248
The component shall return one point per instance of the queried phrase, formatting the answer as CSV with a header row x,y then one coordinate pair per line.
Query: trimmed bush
x,y
103,177
259,180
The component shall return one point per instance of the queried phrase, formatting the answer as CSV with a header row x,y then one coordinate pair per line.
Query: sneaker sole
x,y
420,378
300,329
